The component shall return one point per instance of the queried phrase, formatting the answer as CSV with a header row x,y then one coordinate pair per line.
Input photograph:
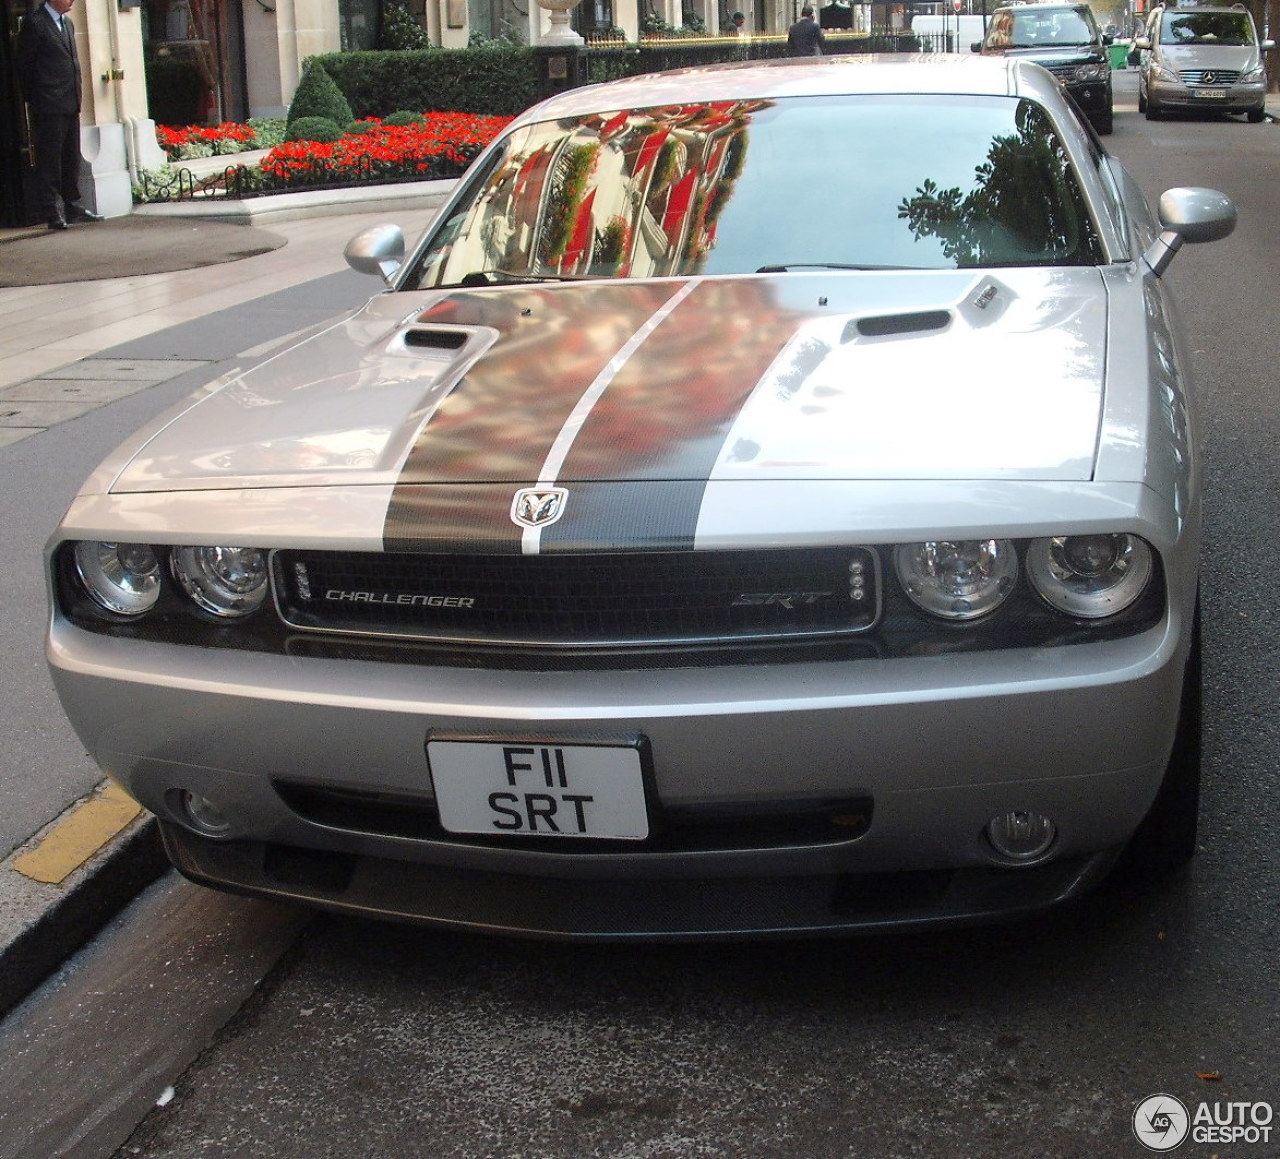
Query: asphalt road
x,y
1027,1040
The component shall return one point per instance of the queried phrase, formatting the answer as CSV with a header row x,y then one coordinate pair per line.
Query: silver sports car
x,y
766,501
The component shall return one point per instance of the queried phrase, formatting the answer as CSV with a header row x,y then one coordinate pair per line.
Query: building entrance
x,y
195,61
15,140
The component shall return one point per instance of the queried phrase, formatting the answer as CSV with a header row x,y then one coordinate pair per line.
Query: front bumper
x,y
936,746
1237,98
616,910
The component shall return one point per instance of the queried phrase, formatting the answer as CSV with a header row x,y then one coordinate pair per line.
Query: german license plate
x,y
537,788
1209,94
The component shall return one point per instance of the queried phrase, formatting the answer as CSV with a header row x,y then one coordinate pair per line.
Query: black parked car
x,y
1066,40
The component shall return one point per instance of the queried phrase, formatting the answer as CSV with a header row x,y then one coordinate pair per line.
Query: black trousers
x,y
57,144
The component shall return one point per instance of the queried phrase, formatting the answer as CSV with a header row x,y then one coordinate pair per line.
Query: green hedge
x,y
502,79
496,81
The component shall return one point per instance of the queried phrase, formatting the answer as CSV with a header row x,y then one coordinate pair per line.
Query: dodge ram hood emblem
x,y
538,506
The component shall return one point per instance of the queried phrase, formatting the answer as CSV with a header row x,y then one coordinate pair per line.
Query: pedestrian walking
x,y
804,37
49,72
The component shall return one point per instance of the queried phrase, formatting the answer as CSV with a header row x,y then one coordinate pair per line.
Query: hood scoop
x,y
436,338
887,325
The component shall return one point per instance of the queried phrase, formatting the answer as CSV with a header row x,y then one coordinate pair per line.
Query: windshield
x,y
726,188
1207,28
1028,28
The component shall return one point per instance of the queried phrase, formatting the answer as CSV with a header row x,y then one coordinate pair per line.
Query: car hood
x,y
1223,57
854,376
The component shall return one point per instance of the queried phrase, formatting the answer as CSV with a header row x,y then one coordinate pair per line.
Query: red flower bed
x,y
441,145
172,139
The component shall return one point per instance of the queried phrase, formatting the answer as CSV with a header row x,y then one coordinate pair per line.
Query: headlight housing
x,y
957,579
1089,576
123,578
228,582
1092,71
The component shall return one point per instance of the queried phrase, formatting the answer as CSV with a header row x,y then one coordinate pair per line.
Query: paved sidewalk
x,y
73,851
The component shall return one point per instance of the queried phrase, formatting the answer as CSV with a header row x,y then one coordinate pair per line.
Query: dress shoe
x,y
57,223
76,213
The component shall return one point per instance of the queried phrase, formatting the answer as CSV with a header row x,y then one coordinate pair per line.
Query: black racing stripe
x,y
627,516
457,517
498,424
667,412
666,415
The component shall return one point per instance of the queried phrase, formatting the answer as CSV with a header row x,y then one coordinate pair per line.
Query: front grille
x,y
1214,77
758,825
636,599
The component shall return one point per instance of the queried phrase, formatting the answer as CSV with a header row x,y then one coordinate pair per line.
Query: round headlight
x,y
957,580
122,577
1090,576
226,581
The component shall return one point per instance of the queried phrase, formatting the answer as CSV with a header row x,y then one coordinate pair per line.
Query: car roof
x,y
842,75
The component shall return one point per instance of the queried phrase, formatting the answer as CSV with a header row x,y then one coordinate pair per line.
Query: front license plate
x,y
1209,94
505,788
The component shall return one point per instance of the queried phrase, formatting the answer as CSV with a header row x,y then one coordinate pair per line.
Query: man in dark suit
x,y
50,75
804,37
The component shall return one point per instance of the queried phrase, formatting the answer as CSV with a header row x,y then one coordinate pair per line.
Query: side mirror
x,y
1108,37
1143,43
1267,45
976,46
1189,215
378,250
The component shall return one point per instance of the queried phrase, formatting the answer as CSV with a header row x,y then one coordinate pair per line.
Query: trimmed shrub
x,y
401,117
320,129
318,96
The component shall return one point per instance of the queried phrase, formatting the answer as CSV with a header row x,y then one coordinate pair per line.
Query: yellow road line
x,y
79,835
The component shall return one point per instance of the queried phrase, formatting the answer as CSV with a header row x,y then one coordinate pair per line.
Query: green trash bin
x,y
1119,50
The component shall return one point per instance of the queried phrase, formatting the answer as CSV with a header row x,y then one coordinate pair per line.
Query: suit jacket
x,y
47,66
804,38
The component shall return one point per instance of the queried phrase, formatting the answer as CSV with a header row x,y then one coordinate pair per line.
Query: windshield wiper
x,y
501,277
784,269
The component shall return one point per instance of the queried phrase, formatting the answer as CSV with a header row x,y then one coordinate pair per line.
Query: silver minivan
x,y
1201,58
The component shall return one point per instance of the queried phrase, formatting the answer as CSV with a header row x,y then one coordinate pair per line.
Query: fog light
x,y
1021,836
203,815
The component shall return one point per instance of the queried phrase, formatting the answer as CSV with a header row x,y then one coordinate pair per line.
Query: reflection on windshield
x,y
1207,28
720,188
1021,197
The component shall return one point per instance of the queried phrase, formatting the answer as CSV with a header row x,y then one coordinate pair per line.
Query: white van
x,y
948,33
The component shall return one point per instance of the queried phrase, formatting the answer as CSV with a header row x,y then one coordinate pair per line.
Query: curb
x,y
277,207
43,925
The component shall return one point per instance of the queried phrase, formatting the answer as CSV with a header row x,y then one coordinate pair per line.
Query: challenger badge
x,y
538,506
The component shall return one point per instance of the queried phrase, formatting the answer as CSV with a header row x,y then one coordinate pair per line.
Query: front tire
x,y
1166,839
1256,115
1104,123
